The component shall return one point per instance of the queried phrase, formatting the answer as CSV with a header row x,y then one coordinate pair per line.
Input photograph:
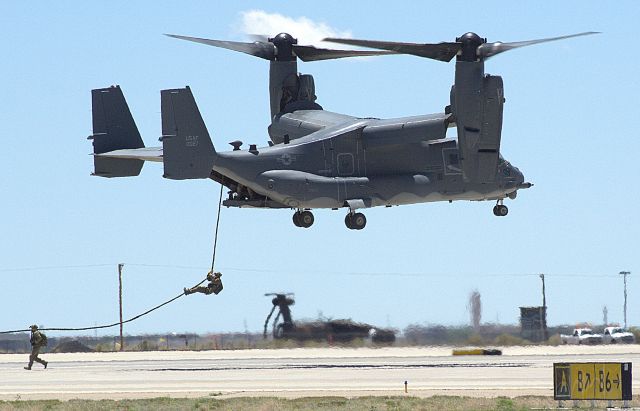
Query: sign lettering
x,y
592,381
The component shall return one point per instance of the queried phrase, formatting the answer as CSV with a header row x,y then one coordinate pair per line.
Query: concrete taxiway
x,y
296,372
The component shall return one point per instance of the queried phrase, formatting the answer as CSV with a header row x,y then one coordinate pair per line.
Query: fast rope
x,y
215,236
97,327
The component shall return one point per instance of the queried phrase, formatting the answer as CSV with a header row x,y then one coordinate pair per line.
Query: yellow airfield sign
x,y
592,381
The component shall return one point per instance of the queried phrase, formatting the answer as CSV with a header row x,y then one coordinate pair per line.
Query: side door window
x,y
451,161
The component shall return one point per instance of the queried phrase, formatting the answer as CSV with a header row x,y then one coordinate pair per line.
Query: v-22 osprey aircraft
x,y
320,159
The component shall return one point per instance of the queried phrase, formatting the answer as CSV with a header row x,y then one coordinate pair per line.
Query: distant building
x,y
533,323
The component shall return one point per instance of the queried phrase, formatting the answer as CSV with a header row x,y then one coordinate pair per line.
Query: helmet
x,y
33,327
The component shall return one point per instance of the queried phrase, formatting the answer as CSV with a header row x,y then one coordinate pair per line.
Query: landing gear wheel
x,y
306,219
303,219
358,221
296,219
355,221
347,221
500,210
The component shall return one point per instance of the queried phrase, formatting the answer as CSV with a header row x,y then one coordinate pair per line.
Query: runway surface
x,y
296,372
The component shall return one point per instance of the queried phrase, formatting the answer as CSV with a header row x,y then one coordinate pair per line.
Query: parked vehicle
x,y
581,336
617,335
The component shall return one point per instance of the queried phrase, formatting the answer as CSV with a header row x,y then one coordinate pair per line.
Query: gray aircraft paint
x,y
382,162
319,159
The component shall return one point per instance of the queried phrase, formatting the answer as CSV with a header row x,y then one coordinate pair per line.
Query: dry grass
x,y
322,403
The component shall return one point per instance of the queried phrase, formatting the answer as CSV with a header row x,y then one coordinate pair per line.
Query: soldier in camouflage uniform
x,y
37,342
214,286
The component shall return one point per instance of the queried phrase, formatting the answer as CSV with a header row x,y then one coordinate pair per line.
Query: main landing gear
x,y
355,221
500,210
303,219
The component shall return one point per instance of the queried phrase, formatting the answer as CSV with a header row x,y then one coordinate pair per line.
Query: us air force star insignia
x,y
285,159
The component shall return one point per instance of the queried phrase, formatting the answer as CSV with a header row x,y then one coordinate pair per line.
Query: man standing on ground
x,y
38,340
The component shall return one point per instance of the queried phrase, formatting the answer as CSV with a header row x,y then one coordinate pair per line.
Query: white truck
x,y
617,335
581,336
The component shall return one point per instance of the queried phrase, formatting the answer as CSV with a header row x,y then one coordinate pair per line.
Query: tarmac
x,y
294,373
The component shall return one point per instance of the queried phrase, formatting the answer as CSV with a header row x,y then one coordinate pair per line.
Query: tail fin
x,y
113,129
187,149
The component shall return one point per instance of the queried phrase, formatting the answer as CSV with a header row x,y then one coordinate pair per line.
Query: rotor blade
x,y
487,50
262,50
439,51
311,53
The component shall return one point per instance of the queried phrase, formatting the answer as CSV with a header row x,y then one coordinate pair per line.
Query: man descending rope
x,y
214,286
38,340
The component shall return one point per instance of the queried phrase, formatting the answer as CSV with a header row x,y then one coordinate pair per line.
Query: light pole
x,y
543,322
624,274
120,303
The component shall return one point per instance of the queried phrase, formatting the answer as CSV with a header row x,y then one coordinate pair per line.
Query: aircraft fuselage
x,y
365,163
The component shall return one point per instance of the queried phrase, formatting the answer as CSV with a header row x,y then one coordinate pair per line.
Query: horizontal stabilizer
x,y
113,129
187,149
116,167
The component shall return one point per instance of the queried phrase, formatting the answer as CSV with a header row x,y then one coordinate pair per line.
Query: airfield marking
x,y
296,373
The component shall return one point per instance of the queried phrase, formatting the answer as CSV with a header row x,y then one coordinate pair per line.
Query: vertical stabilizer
x,y
113,129
187,149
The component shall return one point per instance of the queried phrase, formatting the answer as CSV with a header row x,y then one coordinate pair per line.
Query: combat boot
x,y
27,368
188,291
45,364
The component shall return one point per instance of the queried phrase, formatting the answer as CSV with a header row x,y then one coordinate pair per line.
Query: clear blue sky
x,y
571,125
